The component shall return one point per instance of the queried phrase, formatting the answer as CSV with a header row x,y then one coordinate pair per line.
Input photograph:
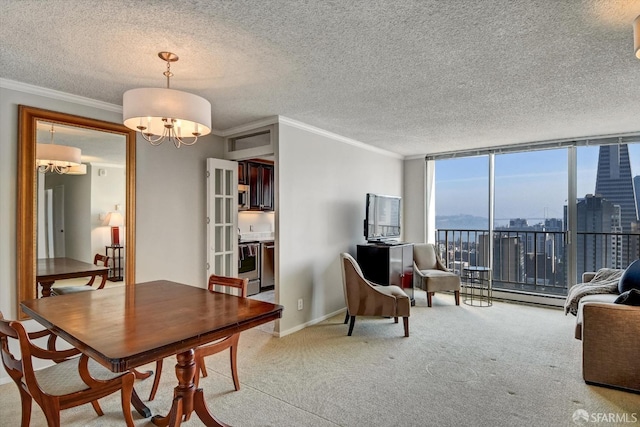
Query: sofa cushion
x,y
630,278
630,297
610,298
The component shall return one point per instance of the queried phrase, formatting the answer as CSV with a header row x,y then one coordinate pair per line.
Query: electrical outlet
x,y
300,304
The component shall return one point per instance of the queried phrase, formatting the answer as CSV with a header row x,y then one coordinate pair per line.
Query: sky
x,y
530,185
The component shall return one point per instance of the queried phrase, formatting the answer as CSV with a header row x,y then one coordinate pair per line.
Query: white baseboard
x,y
309,323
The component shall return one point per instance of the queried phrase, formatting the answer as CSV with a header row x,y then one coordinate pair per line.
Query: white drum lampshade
x,y
146,107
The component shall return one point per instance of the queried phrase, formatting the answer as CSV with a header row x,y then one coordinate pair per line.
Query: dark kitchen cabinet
x,y
242,172
388,265
260,179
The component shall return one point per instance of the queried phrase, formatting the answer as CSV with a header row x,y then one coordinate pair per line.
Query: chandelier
x,y
161,114
56,158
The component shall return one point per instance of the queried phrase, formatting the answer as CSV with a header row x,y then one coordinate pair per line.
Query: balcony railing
x,y
534,261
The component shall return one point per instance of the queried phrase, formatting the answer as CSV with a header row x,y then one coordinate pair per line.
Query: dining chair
x,y
230,342
98,259
71,381
364,298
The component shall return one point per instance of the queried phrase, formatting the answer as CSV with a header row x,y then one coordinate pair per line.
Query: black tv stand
x,y
386,242
388,263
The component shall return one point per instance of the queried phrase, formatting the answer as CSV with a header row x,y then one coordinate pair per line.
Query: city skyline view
x,y
528,250
529,185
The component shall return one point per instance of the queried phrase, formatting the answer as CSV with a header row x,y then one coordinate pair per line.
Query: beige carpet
x,y
506,365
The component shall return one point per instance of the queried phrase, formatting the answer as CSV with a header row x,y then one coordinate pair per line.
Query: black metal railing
x,y
534,261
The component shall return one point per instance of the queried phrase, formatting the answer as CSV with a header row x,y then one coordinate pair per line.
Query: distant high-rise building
x,y
598,215
636,186
614,183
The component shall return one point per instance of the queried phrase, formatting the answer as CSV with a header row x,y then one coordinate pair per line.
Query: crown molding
x,y
248,126
335,136
68,97
62,96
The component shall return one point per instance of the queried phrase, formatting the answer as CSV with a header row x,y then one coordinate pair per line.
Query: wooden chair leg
x,y
405,320
346,317
97,408
26,401
199,369
353,322
233,350
51,411
429,296
125,398
156,380
395,319
202,367
457,295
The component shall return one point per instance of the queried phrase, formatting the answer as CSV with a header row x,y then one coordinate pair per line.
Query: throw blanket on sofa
x,y
604,282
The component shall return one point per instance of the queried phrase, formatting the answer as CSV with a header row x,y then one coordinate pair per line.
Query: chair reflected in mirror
x,y
99,260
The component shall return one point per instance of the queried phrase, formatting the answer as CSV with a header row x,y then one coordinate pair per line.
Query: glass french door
x,y
222,217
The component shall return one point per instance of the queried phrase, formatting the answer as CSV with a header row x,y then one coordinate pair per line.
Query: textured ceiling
x,y
412,77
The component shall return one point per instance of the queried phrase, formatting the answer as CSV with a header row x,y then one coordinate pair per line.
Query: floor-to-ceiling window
x,y
558,209
462,205
528,238
607,206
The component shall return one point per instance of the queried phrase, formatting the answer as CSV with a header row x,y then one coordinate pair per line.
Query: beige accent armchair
x,y
432,274
366,299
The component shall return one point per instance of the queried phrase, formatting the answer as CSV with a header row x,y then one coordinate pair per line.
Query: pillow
x,y
630,279
631,297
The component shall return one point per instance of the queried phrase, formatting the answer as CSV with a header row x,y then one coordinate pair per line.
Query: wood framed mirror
x,y
30,119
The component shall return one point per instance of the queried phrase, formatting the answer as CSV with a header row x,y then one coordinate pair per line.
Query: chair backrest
x,y
355,284
103,259
424,255
21,370
231,282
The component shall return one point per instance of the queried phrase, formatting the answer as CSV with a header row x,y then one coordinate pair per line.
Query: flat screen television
x,y
382,221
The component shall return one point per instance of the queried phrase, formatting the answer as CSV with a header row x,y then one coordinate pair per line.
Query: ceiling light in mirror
x,y
56,158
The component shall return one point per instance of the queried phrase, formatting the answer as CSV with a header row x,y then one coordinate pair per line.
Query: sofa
x,y
610,335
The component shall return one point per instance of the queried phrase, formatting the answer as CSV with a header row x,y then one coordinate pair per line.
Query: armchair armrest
x,y
588,276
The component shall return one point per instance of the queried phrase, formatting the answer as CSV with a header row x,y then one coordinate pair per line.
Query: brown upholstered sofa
x,y
610,335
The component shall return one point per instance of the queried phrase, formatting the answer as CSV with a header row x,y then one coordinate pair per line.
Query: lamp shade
x,y
115,219
636,36
148,106
77,170
58,155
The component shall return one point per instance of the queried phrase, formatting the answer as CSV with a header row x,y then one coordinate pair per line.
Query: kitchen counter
x,y
256,237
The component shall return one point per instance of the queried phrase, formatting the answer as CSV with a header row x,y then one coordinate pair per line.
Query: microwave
x,y
243,197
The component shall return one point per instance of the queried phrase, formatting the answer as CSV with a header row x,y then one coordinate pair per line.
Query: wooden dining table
x,y
48,270
119,328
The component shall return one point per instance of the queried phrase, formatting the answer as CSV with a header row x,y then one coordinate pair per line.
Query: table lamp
x,y
115,221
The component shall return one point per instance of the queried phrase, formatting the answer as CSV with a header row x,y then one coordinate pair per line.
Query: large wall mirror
x,y
68,215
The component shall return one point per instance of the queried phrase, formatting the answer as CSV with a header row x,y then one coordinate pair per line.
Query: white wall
x,y
321,185
107,191
254,222
414,200
77,207
171,211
